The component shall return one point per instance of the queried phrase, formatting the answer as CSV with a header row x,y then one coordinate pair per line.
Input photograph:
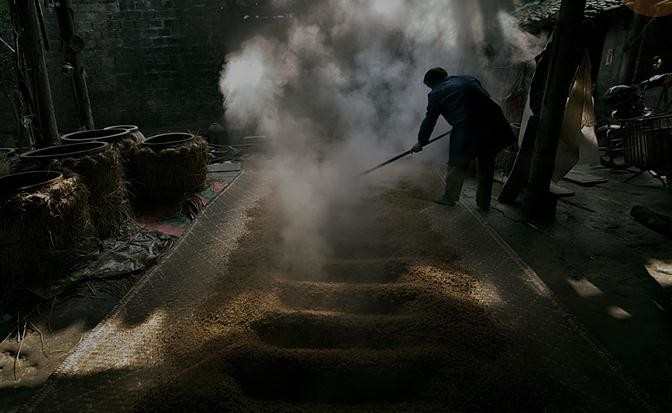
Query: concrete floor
x,y
405,313
610,272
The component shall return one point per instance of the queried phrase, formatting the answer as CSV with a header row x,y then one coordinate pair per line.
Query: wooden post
x,y
73,45
633,49
31,47
520,173
539,203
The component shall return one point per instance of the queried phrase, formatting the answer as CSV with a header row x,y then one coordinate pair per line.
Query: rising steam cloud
x,y
339,85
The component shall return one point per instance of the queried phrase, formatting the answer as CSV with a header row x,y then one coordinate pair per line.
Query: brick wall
x,y
7,119
151,62
155,63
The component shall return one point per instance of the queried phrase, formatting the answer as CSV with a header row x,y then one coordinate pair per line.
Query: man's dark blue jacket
x,y
479,125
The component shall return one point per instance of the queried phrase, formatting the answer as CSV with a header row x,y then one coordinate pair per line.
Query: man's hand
x,y
418,147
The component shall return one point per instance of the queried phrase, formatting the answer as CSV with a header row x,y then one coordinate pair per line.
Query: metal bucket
x,y
648,143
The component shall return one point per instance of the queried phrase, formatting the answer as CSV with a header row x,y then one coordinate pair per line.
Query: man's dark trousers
x,y
486,175
470,142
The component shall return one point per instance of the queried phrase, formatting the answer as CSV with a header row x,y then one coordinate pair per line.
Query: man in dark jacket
x,y
480,131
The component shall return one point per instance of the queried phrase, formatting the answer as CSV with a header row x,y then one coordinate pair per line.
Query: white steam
x,y
340,87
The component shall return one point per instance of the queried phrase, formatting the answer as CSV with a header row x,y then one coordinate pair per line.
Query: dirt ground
x,y
49,333
403,313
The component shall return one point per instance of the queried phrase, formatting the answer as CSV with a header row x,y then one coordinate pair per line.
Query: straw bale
x,y
43,232
169,175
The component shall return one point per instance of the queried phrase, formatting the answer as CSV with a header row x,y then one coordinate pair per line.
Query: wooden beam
x,y
31,48
520,173
540,204
73,45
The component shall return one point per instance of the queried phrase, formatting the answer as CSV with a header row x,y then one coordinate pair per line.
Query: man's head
x,y
435,76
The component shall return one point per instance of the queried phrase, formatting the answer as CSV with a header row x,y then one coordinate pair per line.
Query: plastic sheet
x,y
131,255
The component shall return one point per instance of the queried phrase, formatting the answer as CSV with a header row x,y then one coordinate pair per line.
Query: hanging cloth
x,y
577,138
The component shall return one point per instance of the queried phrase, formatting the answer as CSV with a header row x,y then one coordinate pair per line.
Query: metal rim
x,y
129,128
168,140
48,178
96,135
66,151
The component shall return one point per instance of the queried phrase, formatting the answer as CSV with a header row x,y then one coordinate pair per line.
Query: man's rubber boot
x,y
486,175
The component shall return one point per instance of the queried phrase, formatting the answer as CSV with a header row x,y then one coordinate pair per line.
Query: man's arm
x,y
429,123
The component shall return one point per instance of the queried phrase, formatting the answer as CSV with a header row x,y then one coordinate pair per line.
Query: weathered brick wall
x,y
7,119
151,62
155,63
